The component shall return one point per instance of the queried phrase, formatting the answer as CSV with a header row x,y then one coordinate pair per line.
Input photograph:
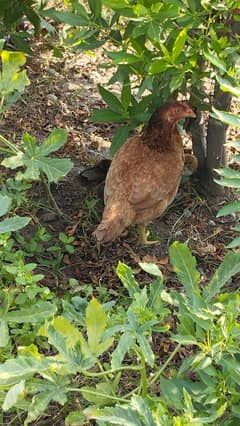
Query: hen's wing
x,y
158,177
143,176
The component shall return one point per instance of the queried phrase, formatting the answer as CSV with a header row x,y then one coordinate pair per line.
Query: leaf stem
x,y
104,373
159,372
114,398
144,382
50,195
9,144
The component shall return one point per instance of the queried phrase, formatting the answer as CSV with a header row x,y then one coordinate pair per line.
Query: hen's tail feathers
x,y
115,220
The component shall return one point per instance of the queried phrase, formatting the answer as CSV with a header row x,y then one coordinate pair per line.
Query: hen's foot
x,y
143,234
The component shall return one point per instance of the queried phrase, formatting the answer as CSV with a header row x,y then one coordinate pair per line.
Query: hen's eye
x,y
177,110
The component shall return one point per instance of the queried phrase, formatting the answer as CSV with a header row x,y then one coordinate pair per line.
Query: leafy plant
x,y
93,353
12,80
230,177
10,224
16,189
36,161
12,14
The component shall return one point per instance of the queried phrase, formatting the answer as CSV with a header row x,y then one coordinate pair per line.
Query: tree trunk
x,y
216,138
209,146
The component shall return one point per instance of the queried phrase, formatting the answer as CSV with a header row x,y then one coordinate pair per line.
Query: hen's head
x,y
172,112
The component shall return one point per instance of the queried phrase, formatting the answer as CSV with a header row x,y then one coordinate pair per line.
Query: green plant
x,y
104,353
230,177
10,224
12,80
16,189
36,161
12,14
58,250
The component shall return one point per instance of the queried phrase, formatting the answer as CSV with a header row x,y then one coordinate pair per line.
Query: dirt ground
x,y
63,93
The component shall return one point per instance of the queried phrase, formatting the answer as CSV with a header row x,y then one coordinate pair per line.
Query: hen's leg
x,y
143,236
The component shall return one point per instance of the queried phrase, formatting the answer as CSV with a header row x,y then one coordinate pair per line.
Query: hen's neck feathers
x,y
161,136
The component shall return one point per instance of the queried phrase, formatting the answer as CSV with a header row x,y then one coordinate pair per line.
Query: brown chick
x,y
144,175
190,164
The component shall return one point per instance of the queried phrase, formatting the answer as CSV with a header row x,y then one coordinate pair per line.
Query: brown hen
x,y
144,175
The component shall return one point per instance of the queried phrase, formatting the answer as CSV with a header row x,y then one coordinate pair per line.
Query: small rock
x,y
178,234
52,97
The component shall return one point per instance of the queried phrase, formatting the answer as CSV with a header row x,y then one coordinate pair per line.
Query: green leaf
x,y
21,44
126,94
119,138
126,276
155,300
138,413
226,117
124,343
123,58
228,268
151,268
231,208
115,4
119,415
226,86
2,42
228,172
95,7
14,161
54,168
13,395
14,370
107,116
13,224
158,66
96,323
11,78
38,312
56,139
184,265
172,392
168,11
179,44
34,157
215,60
66,17
229,182
154,32
111,100
75,418
5,203
68,330
38,406
146,349
234,243
143,409
4,333
176,81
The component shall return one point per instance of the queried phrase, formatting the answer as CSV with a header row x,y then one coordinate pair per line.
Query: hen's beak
x,y
191,113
